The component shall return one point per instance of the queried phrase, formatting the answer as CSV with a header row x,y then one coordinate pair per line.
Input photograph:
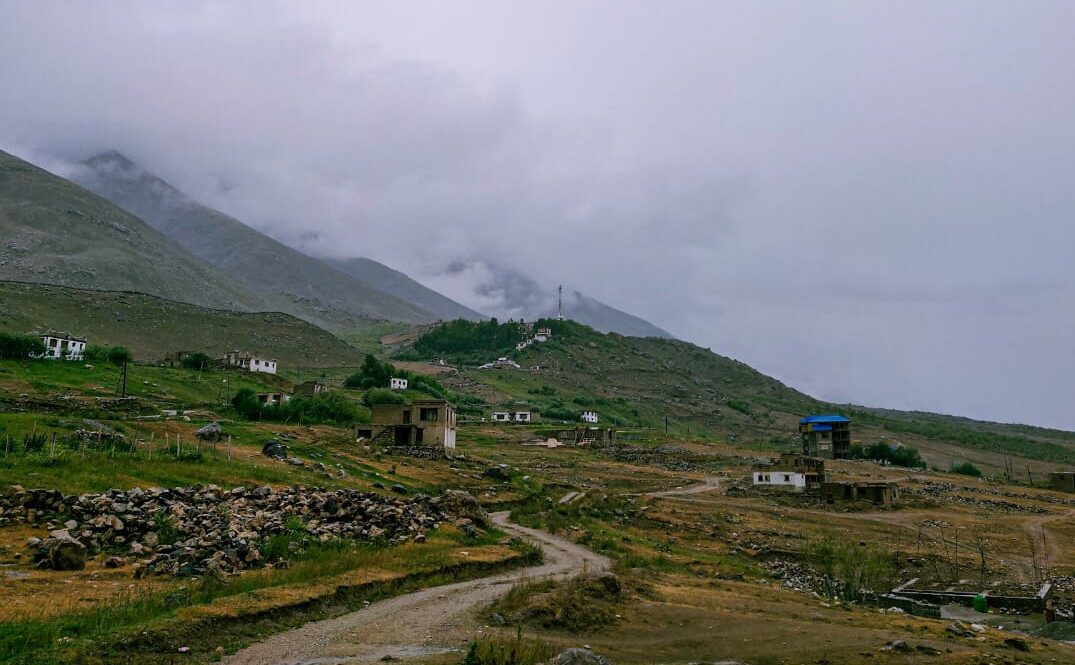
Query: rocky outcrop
x,y
200,530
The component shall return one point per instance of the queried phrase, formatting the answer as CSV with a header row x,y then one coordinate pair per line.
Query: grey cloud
x,y
869,201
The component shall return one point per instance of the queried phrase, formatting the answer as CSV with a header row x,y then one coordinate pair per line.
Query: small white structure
x,y
271,399
397,384
589,417
61,346
791,479
512,417
500,362
249,362
542,335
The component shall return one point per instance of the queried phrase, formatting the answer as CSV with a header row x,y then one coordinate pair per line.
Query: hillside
x,y
154,327
56,232
292,281
403,287
638,382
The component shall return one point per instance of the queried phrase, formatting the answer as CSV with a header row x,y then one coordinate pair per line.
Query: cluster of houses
x,y
539,336
823,437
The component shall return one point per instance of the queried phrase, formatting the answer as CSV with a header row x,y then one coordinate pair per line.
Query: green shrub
x,y
20,347
967,469
199,361
383,396
377,374
849,569
323,409
905,456
740,406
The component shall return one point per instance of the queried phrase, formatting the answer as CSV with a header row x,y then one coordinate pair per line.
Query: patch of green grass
x,y
501,651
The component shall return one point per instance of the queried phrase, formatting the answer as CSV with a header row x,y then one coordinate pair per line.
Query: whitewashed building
x,y
522,416
790,471
61,346
588,417
396,383
249,362
542,335
501,417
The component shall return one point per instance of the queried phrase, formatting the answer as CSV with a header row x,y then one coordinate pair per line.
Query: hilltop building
x,y
310,389
62,346
542,334
248,362
791,471
588,417
827,436
396,383
1062,481
424,427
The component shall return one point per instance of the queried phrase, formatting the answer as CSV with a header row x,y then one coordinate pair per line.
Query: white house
x,y
542,335
249,362
397,384
63,346
501,417
512,417
589,417
521,416
791,471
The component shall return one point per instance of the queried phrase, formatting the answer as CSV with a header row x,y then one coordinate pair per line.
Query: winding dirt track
x,y
430,621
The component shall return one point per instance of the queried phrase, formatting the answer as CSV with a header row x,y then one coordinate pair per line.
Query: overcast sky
x,y
871,201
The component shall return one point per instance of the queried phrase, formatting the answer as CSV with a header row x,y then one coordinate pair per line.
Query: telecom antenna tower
x,y
560,304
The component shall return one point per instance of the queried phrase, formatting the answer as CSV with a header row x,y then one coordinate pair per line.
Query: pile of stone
x,y
208,530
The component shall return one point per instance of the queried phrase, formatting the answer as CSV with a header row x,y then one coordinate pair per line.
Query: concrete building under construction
x,y
826,436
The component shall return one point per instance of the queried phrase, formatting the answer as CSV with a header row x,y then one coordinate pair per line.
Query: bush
x,y
199,361
118,355
740,406
20,347
849,569
902,456
382,396
326,408
377,374
967,469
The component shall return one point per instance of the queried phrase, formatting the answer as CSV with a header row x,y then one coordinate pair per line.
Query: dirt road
x,y
431,621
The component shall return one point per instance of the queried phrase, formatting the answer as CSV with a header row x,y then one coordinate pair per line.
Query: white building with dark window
x,y
61,346
588,417
397,384
249,362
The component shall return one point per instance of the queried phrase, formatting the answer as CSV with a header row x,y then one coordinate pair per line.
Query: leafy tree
x,y
899,456
377,374
20,347
197,361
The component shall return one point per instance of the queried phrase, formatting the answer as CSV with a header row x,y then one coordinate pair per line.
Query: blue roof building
x,y
827,436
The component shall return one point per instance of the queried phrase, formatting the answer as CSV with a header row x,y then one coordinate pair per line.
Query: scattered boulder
x,y
578,656
61,552
274,449
210,432
462,505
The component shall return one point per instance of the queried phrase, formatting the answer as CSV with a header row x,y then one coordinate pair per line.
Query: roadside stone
x,y
578,656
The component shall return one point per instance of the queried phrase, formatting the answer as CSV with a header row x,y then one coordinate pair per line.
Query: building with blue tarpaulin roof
x,y
827,436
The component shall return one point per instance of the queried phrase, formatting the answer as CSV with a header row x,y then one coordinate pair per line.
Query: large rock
x,y
580,657
462,505
61,552
210,432
274,449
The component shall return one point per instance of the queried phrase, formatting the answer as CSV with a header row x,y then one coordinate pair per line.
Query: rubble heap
x,y
205,529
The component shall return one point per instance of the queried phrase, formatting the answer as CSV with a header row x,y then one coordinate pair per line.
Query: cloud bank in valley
x,y
869,202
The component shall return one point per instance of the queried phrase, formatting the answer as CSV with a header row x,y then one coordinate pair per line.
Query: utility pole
x,y
560,303
123,390
666,424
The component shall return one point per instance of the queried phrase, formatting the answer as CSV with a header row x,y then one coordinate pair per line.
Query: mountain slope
x,y
511,294
294,282
153,327
400,285
56,232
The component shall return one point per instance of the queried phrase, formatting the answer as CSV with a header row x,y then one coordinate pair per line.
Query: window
x,y
407,417
787,478
428,414
418,435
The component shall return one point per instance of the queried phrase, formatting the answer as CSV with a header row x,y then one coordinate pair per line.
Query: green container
x,y
981,604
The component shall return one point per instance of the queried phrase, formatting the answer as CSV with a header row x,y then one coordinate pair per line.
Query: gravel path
x,y
430,621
